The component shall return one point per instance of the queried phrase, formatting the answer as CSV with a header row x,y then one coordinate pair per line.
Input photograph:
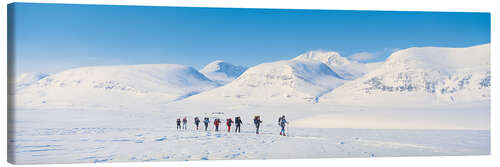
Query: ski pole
x,y
288,131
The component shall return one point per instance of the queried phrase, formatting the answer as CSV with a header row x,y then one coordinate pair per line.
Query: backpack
x,y
283,122
256,120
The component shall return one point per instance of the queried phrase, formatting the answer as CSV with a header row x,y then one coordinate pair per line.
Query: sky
x,y
51,38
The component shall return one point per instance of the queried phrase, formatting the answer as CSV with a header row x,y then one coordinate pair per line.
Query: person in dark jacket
x,y
196,122
206,122
257,121
237,122
178,123
229,122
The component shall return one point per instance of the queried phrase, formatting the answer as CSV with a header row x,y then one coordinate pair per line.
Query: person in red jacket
x,y
216,123
229,122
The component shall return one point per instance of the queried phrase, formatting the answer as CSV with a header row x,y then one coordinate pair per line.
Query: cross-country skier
x,y
229,122
178,123
216,123
206,121
196,122
184,123
283,124
257,121
238,122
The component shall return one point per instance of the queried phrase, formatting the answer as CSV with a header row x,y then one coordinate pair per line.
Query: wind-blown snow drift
x,y
426,75
115,86
222,72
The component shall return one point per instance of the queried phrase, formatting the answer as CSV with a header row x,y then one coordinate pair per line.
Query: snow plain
x,y
93,136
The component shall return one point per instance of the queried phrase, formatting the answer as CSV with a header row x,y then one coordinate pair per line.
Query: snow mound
x,y
26,79
424,75
340,65
222,72
283,81
115,86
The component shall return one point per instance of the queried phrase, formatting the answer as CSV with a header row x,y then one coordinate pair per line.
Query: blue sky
x,y
53,37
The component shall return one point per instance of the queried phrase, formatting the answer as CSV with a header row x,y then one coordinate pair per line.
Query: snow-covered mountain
x,y
26,79
422,76
222,72
284,81
115,86
414,76
346,69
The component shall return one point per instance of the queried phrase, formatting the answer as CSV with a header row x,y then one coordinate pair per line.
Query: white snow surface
x,y
86,136
222,72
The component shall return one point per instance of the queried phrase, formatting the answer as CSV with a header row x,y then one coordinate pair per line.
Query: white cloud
x,y
362,56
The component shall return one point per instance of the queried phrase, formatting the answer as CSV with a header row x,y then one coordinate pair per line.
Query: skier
x,y
206,121
184,123
237,121
216,123
283,124
196,122
178,123
257,121
229,121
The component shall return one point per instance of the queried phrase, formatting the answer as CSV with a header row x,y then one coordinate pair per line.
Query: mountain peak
x,y
330,58
222,72
339,64
27,79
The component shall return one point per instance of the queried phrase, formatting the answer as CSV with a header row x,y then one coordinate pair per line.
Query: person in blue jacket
x,y
206,122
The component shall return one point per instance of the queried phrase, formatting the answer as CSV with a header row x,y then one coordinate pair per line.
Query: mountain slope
x,y
115,86
222,72
26,79
426,75
282,81
346,69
